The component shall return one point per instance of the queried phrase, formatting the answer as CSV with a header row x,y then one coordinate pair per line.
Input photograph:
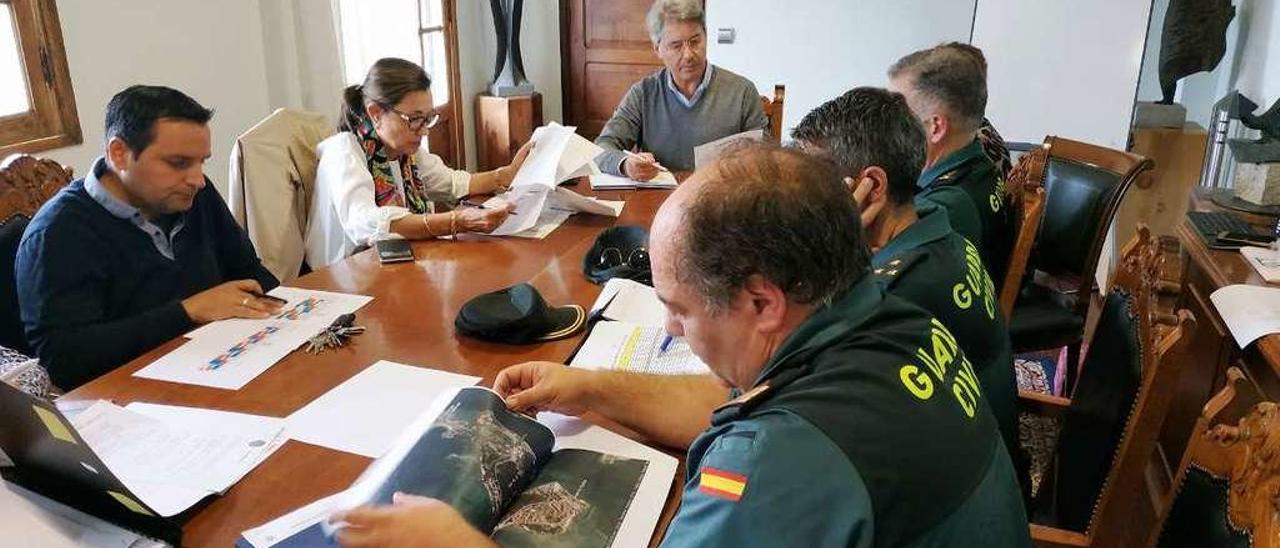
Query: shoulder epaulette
x,y
889,273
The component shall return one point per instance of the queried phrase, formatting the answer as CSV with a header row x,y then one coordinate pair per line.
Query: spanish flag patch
x,y
721,484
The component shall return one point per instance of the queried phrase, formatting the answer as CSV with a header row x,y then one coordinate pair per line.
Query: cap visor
x,y
566,320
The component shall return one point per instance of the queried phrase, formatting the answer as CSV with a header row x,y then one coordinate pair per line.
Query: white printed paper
x,y
228,354
1249,311
623,346
271,533
171,463
630,301
365,414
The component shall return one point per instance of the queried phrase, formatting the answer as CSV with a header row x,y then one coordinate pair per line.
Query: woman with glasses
x,y
376,177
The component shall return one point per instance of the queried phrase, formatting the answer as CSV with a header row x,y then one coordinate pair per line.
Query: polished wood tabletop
x,y
410,320
1229,267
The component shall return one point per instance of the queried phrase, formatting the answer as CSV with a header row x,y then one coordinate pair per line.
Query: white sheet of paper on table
x,y
548,221
572,201
1249,311
283,527
328,306
630,301
651,496
529,203
604,181
191,362
624,346
171,458
366,413
29,519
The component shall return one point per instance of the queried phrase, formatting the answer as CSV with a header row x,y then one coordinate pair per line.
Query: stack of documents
x,y
604,181
559,154
626,300
230,353
171,457
633,337
624,346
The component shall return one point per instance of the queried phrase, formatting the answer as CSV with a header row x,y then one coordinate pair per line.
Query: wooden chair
x,y
773,110
1024,192
1092,489
1227,491
26,183
1084,185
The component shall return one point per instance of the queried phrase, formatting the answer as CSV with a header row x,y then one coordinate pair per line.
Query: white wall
x,y
1062,68
211,50
1251,63
1258,67
477,49
821,48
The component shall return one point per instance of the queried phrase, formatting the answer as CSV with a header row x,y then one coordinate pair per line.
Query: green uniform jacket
x,y
866,428
935,268
971,189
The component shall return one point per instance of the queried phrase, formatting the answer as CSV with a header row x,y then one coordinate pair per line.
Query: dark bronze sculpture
x,y
508,72
1194,40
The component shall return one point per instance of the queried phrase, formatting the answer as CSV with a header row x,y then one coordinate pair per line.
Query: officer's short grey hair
x,y
952,76
665,11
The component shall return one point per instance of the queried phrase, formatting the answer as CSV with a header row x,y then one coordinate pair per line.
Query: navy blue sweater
x,y
95,292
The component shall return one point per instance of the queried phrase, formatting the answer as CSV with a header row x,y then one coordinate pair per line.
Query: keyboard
x,y
1210,223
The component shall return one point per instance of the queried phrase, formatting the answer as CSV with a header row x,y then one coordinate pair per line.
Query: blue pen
x,y
666,342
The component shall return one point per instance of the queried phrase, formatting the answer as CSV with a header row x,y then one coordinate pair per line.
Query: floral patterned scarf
x,y
379,159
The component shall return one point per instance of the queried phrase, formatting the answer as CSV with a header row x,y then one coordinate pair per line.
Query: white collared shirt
x,y
344,215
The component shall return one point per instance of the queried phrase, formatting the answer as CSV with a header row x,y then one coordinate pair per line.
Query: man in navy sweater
x,y
140,250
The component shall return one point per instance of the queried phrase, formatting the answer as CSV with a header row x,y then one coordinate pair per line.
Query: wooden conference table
x,y
410,320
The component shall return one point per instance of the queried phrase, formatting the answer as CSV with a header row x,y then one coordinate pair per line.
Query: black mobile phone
x,y
394,251
1241,238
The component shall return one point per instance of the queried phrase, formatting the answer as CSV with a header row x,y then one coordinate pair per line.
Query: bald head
x,y
762,210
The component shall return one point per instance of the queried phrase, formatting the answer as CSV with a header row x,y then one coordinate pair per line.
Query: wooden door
x,y
604,49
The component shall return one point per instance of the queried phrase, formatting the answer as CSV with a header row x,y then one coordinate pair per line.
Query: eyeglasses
x,y
417,123
611,257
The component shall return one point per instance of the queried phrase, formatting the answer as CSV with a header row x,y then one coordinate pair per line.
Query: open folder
x,y
559,482
50,459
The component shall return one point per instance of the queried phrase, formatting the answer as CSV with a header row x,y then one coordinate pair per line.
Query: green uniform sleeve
x,y
773,480
964,217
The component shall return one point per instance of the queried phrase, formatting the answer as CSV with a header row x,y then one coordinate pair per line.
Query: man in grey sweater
x,y
686,104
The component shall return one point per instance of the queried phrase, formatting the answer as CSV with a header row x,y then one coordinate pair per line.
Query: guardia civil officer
x,y
855,419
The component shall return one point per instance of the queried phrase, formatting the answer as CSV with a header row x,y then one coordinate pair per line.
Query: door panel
x,y
605,48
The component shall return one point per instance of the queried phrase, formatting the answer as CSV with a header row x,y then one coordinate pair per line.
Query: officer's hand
x,y
411,521
640,167
861,191
237,299
544,386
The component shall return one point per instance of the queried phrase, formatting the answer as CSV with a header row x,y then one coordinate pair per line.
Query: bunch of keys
x,y
335,335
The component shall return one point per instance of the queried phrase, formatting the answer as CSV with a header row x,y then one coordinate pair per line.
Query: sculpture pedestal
x,y
1258,183
503,124
1156,115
